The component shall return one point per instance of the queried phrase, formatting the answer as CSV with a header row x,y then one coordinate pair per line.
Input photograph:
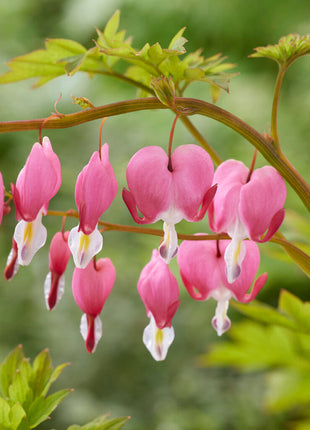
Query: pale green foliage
x,y
102,423
287,50
25,403
62,56
278,341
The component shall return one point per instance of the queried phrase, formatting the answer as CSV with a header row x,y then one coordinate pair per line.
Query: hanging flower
x,y
169,190
95,190
202,268
159,292
59,255
246,207
38,181
91,287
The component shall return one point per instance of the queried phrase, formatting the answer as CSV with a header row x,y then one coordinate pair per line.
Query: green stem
x,y
275,105
187,106
107,226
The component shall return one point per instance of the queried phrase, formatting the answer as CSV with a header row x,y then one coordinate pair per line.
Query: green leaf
x,y
287,50
19,390
8,368
41,372
112,25
45,63
42,407
296,309
102,423
287,389
177,42
17,414
297,255
4,413
55,375
264,313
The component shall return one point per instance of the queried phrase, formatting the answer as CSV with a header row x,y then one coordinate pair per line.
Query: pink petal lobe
x,y
200,268
91,287
149,182
132,207
192,171
261,198
259,283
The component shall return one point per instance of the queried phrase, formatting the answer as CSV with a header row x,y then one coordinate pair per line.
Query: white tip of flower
x,y
169,247
220,321
53,293
234,255
84,247
96,334
157,340
30,237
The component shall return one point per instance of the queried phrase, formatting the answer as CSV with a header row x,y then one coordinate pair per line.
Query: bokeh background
x,y
121,378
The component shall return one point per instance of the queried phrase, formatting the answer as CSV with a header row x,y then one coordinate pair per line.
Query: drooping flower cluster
x,y
244,204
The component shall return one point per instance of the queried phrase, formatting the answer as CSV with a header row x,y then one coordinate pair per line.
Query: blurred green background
x,y
121,377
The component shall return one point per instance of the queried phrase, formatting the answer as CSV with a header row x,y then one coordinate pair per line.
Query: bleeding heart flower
x,y
95,190
159,292
91,287
202,268
169,191
246,207
38,181
59,255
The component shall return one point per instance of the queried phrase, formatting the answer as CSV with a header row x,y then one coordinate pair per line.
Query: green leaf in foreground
x,y
102,423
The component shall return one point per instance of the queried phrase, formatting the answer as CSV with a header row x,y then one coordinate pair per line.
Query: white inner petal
x,y
169,247
84,247
30,237
220,321
157,340
235,251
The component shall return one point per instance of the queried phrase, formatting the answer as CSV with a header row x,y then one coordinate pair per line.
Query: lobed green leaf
x,y
288,49
8,368
102,423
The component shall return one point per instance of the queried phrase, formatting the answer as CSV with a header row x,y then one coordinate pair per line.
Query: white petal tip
x,y
158,340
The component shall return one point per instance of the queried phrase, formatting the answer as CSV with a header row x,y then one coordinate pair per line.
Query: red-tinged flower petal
x,y
54,287
159,291
259,283
12,262
132,207
260,199
59,253
192,171
91,287
95,189
149,182
91,331
37,182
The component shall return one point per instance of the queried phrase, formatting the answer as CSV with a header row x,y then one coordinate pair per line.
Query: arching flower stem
x,y
100,132
170,142
263,144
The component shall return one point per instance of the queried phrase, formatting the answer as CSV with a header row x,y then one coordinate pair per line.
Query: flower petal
x,y
84,247
91,331
157,340
30,237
